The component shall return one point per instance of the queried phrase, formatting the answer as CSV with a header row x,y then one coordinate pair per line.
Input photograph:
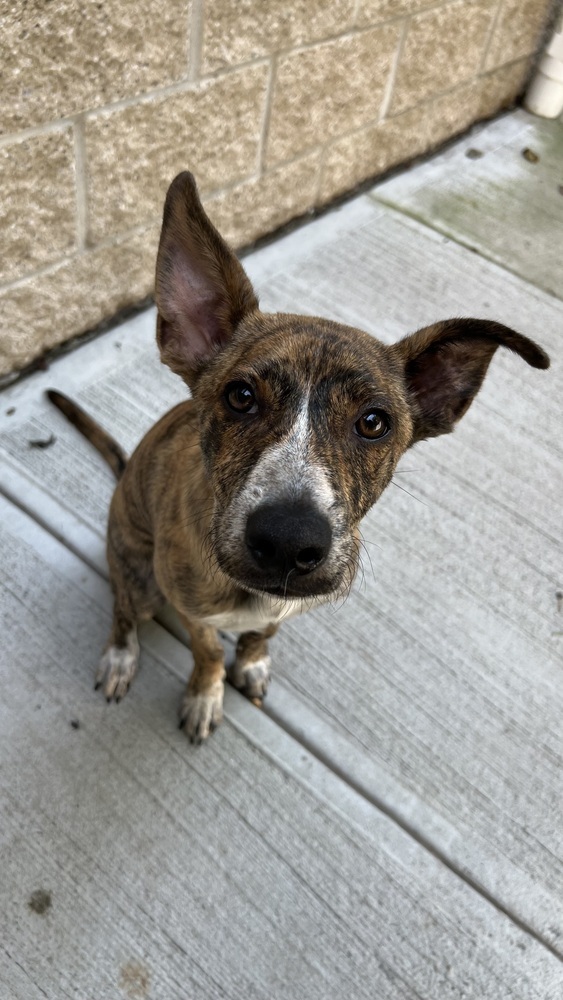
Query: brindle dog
x,y
241,506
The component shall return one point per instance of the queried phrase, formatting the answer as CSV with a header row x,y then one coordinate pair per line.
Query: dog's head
x,y
302,420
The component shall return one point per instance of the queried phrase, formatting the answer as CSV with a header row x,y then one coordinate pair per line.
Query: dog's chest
x,y
259,613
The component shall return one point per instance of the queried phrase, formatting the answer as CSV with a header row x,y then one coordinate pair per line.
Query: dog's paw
x,y
117,668
252,678
200,714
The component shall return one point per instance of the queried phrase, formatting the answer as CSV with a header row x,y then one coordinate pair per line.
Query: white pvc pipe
x,y
545,93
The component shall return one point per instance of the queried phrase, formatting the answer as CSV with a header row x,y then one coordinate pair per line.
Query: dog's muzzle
x,y
284,539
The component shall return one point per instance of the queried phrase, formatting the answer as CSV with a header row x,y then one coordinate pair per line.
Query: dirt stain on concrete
x,y
134,980
40,901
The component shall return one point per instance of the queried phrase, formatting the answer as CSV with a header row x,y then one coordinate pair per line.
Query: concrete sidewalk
x,y
391,824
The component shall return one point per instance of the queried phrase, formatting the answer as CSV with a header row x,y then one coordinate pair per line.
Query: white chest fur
x,y
260,612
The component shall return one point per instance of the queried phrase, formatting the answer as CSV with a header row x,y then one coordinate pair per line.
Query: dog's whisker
x,y
286,582
364,547
196,519
399,487
206,550
370,541
201,515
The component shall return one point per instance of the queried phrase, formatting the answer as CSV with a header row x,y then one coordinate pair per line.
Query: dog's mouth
x,y
289,551
287,592
328,582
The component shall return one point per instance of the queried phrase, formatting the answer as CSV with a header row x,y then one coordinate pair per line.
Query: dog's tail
x,y
102,441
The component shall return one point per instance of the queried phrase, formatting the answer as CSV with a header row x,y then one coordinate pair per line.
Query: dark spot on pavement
x,y
529,155
40,901
75,723
42,442
474,154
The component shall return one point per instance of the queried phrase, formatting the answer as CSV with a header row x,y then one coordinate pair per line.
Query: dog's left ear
x,y
445,364
201,289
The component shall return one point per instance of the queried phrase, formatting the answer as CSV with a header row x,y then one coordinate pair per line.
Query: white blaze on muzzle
x,y
287,472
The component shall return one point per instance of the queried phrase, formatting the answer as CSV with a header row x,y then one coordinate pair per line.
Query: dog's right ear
x,y
201,291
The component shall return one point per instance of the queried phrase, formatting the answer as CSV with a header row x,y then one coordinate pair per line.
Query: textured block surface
x,y
248,210
60,58
213,129
518,31
38,203
328,89
442,48
371,11
74,297
239,32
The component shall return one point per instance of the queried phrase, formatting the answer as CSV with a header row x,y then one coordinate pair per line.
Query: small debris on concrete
x,y
474,154
117,345
134,980
39,365
560,189
40,901
42,442
75,723
10,411
530,156
559,599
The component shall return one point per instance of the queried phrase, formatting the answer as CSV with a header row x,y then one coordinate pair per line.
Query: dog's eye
x,y
372,425
240,397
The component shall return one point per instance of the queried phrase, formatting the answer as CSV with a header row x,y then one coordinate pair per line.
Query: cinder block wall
x,y
277,106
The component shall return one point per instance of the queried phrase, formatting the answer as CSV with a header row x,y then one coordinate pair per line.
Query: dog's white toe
x,y
201,713
118,667
252,679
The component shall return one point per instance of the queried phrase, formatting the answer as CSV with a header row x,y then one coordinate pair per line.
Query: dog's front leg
x,y
202,706
251,670
120,661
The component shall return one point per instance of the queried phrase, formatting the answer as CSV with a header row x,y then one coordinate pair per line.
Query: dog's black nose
x,y
283,537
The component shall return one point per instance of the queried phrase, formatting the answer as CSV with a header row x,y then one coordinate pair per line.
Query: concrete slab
x,y
137,865
499,191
